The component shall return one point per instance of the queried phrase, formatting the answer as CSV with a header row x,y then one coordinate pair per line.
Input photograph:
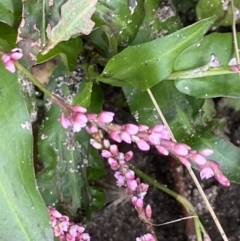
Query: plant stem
x,y
191,172
235,33
52,97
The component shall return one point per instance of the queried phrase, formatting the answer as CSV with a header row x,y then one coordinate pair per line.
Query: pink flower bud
x,y
142,145
126,137
131,129
55,213
157,128
139,203
234,68
200,160
10,66
206,173
106,154
115,136
113,149
91,130
206,152
80,118
162,150
91,117
180,150
132,184
113,163
95,144
16,54
222,179
128,156
105,117
148,211
130,175
154,138
143,128
106,143
65,122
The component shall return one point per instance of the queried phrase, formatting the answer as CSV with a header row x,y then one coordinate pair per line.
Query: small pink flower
x,y
126,137
130,175
113,163
200,160
80,109
137,202
162,150
180,150
154,138
132,184
115,136
128,155
184,161
106,154
143,128
95,144
206,152
206,173
142,145
222,179
148,211
105,117
131,129
113,149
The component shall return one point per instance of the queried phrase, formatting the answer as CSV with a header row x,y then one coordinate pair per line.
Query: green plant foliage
x,y
23,213
160,20
209,8
180,111
154,60
10,12
199,55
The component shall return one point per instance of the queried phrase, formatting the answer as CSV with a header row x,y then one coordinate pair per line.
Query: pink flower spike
x,y
105,117
200,160
206,173
131,129
206,152
148,211
142,145
180,150
126,137
128,156
65,122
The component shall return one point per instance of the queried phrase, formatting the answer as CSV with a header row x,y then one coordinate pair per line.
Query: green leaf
x,y
154,60
181,112
10,12
9,34
68,50
199,55
208,8
23,213
75,20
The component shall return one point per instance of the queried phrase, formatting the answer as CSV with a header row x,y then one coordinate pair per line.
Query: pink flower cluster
x,y
65,230
144,137
8,59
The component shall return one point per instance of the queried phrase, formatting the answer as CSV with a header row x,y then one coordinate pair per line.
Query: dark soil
x,y
118,221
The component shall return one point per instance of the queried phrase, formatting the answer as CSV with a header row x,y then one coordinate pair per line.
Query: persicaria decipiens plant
x,y
96,125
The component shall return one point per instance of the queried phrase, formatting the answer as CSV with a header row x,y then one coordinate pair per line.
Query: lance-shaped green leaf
x,y
147,64
214,83
23,213
180,112
75,20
